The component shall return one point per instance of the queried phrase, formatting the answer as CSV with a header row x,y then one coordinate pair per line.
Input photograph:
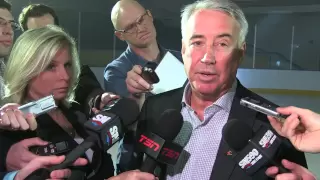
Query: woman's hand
x,y
11,118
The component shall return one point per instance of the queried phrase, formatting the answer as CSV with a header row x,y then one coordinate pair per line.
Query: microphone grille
x,y
127,109
168,125
184,135
237,133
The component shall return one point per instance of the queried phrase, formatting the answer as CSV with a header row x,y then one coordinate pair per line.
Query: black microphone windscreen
x,y
127,109
81,117
168,125
237,134
185,134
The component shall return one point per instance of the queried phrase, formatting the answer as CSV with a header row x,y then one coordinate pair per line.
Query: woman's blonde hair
x,y
31,54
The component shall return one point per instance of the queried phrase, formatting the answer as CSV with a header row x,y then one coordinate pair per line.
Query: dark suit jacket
x,y
86,92
2,174
224,167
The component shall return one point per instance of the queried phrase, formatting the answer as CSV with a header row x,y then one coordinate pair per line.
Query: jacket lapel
x,y
224,165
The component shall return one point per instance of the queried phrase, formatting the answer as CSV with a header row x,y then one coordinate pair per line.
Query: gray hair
x,y
226,6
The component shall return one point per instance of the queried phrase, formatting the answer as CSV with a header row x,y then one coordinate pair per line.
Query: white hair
x,y
226,6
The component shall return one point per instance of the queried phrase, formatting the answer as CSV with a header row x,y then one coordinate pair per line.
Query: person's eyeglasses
x,y
13,24
133,28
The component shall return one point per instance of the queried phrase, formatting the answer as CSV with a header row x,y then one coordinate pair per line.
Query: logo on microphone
x,y
229,153
108,139
112,135
149,143
100,119
170,153
267,139
250,159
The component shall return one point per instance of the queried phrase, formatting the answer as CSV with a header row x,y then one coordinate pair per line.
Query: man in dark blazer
x,y
224,167
213,45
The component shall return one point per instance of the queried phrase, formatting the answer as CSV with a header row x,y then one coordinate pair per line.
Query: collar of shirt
x,y
224,102
142,61
2,66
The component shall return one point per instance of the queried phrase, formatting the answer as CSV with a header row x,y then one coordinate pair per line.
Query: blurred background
x,y
282,60
283,34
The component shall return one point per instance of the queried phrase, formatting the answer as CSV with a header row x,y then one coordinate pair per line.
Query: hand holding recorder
x,y
307,140
104,130
11,118
19,155
140,79
42,162
16,117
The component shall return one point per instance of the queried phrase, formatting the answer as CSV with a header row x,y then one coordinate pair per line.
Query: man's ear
x,y
149,13
119,35
183,47
242,51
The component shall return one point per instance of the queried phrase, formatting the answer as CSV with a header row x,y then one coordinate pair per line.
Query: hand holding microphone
x,y
297,172
253,150
102,100
306,140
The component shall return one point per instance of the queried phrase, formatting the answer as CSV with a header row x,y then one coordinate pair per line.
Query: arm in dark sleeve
x,y
115,81
88,88
129,156
5,146
290,153
2,174
7,139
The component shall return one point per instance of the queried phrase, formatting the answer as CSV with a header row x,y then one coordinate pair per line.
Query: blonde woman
x,y
42,62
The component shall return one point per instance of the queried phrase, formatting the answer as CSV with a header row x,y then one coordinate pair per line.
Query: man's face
x,y
39,22
210,51
138,26
6,32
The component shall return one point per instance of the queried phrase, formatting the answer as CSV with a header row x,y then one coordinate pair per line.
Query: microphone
x,y
254,150
181,139
184,134
104,129
157,142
